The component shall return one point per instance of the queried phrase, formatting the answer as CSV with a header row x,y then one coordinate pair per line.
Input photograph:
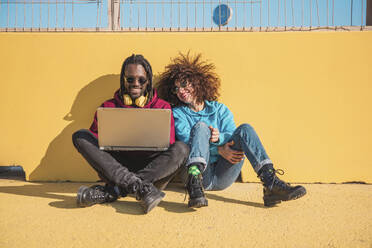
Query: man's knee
x,y
181,149
79,136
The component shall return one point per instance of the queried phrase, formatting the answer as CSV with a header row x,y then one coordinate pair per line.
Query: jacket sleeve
x,y
94,127
226,126
172,137
182,127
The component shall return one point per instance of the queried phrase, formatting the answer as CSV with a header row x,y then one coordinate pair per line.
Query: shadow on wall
x,y
61,161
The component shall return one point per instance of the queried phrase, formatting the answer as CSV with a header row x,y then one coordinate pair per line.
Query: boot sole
x,y
198,202
79,197
270,201
153,203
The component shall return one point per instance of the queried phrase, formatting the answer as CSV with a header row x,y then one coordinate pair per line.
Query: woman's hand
x,y
215,134
229,154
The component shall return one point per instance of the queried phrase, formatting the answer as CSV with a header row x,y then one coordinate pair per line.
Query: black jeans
x,y
121,168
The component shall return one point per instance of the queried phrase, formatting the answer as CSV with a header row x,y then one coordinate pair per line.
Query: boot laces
x,y
279,171
193,184
98,195
141,190
277,181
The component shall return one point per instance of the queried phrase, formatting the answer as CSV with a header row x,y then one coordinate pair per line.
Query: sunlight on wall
x,y
306,94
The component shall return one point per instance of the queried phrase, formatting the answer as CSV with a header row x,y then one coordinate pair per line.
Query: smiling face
x,y
135,80
184,91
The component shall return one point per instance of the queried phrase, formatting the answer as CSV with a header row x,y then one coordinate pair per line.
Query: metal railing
x,y
182,15
52,15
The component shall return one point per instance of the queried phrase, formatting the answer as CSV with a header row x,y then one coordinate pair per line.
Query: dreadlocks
x,y
199,73
137,59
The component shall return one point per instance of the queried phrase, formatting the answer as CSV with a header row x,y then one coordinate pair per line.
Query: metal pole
x,y
56,15
109,13
24,15
203,14
351,13
146,7
116,16
171,15
113,10
268,13
72,15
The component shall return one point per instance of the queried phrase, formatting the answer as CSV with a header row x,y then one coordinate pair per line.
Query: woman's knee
x,y
201,125
245,129
200,128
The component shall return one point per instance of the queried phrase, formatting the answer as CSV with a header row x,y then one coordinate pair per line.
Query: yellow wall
x,y
308,95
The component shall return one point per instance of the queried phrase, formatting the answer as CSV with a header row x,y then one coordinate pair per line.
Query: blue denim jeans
x,y
222,174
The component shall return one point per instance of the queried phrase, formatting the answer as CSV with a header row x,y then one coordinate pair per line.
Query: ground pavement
x,y
45,215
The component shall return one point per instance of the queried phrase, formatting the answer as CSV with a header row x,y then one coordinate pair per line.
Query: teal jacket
x,y
214,114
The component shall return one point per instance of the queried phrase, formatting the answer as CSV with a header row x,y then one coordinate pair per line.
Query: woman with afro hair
x,y
217,147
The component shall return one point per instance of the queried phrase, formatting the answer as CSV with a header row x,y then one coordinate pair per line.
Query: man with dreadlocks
x,y
217,147
130,172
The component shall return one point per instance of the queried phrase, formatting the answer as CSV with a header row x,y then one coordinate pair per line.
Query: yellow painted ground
x,y
44,215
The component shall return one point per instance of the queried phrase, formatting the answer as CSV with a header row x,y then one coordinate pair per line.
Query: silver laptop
x,y
133,129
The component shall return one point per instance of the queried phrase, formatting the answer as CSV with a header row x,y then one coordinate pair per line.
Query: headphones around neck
x,y
140,101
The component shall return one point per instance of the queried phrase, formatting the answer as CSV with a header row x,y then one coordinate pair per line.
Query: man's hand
x,y
215,134
229,154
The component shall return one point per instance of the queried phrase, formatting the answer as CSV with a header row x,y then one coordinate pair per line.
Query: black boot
x,y
148,195
275,190
194,187
88,196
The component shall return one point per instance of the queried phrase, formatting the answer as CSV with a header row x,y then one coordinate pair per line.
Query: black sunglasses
x,y
141,80
184,84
